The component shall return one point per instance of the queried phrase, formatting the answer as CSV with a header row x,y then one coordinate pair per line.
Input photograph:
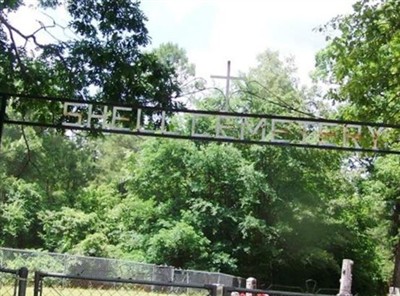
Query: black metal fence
x,y
47,284
232,291
13,282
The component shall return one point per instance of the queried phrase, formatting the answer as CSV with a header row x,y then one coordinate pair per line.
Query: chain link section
x,y
56,285
8,282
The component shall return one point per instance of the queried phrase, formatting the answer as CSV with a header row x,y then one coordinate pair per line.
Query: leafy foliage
x,y
360,63
104,61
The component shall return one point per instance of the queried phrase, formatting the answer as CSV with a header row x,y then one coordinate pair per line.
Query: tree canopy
x,y
360,62
360,65
103,61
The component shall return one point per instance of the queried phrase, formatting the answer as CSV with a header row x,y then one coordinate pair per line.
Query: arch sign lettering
x,y
262,129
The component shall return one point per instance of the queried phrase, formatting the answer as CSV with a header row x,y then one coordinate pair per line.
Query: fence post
x,y
218,290
346,278
22,281
37,290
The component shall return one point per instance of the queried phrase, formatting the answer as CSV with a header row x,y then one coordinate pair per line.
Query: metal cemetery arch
x,y
261,129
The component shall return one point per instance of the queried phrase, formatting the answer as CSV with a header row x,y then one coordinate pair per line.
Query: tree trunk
x,y
396,251
3,105
396,271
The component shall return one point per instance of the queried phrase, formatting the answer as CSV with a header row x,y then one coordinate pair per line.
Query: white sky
x,y
215,31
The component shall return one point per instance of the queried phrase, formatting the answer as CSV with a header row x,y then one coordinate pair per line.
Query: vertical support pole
x,y
3,105
346,278
228,80
218,290
22,281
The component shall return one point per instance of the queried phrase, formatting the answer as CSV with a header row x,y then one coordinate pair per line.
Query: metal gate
x,y
58,284
13,282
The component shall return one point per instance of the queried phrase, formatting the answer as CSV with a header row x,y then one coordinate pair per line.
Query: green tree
x,y
279,215
103,61
130,224
39,157
66,228
37,176
20,202
201,187
362,58
360,65
304,222
181,246
272,86
176,57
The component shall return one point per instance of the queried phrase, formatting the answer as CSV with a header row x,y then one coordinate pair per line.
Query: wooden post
x,y
346,278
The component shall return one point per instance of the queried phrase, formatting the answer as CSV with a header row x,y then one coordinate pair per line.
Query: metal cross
x,y
228,78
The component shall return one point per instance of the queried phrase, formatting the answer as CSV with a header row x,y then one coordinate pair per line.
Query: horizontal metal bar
x,y
225,77
201,138
7,270
123,281
206,112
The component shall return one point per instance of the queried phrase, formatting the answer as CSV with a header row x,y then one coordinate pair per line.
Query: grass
x,y
6,290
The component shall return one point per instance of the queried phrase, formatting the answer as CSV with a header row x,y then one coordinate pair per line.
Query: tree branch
x,y
28,156
13,43
32,37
